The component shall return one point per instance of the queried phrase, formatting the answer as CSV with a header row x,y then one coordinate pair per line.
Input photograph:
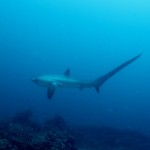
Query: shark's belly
x,y
69,86
73,85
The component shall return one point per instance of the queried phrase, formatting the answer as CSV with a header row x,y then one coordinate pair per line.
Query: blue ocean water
x,y
90,37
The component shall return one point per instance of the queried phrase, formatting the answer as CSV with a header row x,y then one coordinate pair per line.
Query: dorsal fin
x,y
67,72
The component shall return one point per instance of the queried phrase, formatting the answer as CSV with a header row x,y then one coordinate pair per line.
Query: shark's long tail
x,y
100,81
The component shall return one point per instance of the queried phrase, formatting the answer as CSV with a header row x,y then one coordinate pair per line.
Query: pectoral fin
x,y
50,92
67,72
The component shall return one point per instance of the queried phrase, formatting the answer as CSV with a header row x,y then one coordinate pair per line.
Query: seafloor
x,y
21,133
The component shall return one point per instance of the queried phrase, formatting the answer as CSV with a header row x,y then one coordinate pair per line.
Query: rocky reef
x,y
21,133
106,138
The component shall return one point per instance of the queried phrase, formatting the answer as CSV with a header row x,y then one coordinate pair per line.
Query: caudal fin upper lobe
x,y
101,80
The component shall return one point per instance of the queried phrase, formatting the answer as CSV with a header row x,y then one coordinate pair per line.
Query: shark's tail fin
x,y
98,82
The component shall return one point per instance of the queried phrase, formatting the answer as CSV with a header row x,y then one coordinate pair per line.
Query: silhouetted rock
x,y
24,134
52,140
20,134
23,117
110,139
56,123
